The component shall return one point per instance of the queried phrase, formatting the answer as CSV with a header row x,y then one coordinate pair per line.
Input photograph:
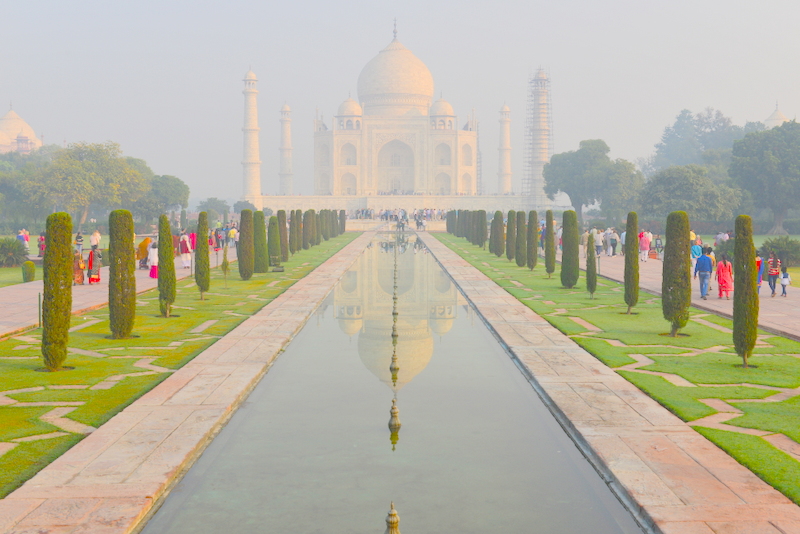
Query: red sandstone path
x,y
19,304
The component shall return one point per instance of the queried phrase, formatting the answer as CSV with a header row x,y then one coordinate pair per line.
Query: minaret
x,y
504,171
251,165
285,173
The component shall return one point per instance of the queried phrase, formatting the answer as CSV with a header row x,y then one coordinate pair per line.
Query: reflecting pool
x,y
311,451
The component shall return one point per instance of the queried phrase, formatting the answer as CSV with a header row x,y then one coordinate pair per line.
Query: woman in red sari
x,y
725,277
94,264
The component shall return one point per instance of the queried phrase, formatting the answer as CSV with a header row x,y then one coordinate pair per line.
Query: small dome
x,y
540,75
286,107
776,119
349,108
505,109
441,107
13,126
250,76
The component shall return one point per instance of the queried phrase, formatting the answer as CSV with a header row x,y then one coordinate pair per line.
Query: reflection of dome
x,y
441,326
350,327
441,107
349,108
395,82
414,350
13,126
350,281
442,282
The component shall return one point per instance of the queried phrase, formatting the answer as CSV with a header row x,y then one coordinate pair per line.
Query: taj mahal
x,y
397,147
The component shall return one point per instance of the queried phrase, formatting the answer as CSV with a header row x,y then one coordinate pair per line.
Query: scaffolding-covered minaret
x,y
538,139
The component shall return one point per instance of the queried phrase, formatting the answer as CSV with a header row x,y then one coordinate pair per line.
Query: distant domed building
x,y
16,135
395,140
776,119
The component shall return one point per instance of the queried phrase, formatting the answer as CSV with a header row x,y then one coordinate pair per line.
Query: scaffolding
x,y
478,160
538,139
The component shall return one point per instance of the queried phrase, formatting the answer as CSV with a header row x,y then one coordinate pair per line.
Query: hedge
x,y
745,290
631,260
57,297
676,282
121,277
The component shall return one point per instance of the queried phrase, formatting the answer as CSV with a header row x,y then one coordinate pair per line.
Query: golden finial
x,y
392,521
394,424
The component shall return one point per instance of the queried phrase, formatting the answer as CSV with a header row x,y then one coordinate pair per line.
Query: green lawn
x,y
165,343
13,275
705,357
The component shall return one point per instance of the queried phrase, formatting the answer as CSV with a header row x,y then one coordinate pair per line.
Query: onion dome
x,y
12,126
285,108
350,108
441,107
776,119
250,76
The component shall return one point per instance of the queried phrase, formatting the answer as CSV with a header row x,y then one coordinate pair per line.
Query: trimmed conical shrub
x,y
497,244
591,273
317,229
274,241
283,235
166,267
521,254
511,235
532,242
549,244
570,250
121,277
323,227
245,249
450,222
676,280
745,290
260,256
307,239
631,261
57,297
28,271
342,221
298,234
481,228
202,265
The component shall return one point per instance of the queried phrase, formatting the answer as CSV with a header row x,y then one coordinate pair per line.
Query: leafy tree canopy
x,y
166,193
240,205
688,188
214,204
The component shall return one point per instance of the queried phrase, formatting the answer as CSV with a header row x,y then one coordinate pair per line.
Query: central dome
x,y
395,82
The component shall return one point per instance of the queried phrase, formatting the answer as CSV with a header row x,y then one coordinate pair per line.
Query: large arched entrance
x,y
396,169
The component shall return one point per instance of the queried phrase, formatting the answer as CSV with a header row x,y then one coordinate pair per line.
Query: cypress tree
x,y
306,230
283,235
202,267
292,233
274,241
482,228
631,261
591,273
745,290
166,267
323,227
450,220
317,229
260,257
28,271
57,298
570,250
225,266
532,241
245,252
342,221
121,278
298,246
498,227
676,282
549,245
521,254
511,235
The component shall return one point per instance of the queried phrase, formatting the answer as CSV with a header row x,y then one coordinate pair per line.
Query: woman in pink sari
x,y
725,277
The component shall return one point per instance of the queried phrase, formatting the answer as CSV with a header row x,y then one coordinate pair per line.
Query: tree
x,y
225,265
521,252
283,235
497,244
316,226
260,256
570,250
323,227
308,238
631,261
292,232
28,271
342,221
184,220
549,245
300,231
450,222
166,267
581,174
240,205
12,252
121,277
511,235
215,204
676,280
623,186
532,241
166,193
688,188
274,242
57,297
767,165
245,252
591,273
481,227
202,267
745,290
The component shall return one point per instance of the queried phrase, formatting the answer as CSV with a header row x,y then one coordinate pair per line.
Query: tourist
x,y
94,264
142,252
21,239
774,266
785,280
703,267
585,243
77,268
696,251
760,269
42,244
94,239
152,259
644,245
79,243
185,246
27,241
598,242
622,242
613,239
724,277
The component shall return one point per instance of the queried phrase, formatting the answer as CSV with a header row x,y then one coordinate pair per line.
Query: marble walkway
x,y
111,480
672,478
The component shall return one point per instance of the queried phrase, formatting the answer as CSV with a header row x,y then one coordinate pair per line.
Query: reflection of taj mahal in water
x,y
426,307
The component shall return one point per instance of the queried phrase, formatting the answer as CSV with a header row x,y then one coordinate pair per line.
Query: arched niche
x,y
466,184
466,156
396,168
348,155
441,184
324,156
348,186
443,154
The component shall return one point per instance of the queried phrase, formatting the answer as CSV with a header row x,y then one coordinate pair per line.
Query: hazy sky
x,y
163,78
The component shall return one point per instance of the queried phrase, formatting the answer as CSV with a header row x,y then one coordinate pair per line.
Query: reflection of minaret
x,y
538,132
252,160
504,171
286,151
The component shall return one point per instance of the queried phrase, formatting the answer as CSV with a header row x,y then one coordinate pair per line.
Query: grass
x,y
705,357
13,275
165,343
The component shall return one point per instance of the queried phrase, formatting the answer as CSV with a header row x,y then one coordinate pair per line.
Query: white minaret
x,y
285,173
251,165
504,171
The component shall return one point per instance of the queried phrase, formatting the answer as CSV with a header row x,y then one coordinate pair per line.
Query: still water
x,y
310,450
